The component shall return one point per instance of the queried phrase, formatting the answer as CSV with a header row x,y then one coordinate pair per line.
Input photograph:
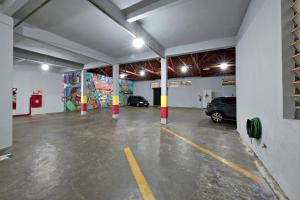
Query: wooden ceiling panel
x,y
201,64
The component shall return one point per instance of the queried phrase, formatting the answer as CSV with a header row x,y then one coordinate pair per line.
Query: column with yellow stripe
x,y
164,92
83,102
115,99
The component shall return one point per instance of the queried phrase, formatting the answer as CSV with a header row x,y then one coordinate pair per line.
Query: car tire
x,y
217,117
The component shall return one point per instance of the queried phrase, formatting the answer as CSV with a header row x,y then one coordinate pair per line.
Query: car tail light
x,y
209,105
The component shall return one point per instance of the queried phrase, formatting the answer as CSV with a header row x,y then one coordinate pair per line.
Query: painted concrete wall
x,y
6,63
259,93
187,96
28,76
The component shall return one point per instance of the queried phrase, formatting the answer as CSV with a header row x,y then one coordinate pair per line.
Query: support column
x,y
6,77
83,93
164,92
115,100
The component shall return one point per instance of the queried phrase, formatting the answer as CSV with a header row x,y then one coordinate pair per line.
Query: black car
x,y
137,101
222,108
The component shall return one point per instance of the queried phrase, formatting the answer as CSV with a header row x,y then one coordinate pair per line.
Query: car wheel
x,y
217,117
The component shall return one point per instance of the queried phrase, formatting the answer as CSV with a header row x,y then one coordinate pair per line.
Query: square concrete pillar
x,y
83,102
164,92
115,100
6,80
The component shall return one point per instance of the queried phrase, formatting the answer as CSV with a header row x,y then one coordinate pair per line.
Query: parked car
x,y
137,101
222,108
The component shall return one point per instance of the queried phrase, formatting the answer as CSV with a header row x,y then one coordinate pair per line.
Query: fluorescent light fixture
x,y
123,75
45,67
138,43
206,69
224,66
142,73
184,69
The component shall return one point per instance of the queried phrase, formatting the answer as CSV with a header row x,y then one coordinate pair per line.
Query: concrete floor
x,y
65,156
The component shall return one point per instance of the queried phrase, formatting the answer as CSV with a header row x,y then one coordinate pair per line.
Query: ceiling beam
x,y
32,12
10,7
145,8
94,65
61,42
134,29
41,58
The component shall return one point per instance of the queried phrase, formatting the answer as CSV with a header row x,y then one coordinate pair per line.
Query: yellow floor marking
x,y
232,165
138,175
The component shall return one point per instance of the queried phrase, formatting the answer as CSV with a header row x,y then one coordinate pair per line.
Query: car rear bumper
x,y
208,113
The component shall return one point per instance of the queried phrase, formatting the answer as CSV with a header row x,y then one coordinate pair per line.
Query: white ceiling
x,y
123,4
32,65
81,22
192,21
196,21
46,49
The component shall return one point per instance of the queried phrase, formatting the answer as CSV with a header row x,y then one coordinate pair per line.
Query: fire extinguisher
x,y
200,98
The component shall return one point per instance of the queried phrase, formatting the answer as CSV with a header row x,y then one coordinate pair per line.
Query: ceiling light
x,y
123,75
142,73
45,67
224,66
184,69
138,43
206,69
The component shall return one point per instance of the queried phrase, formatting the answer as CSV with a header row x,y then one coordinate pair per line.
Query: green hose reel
x,y
254,128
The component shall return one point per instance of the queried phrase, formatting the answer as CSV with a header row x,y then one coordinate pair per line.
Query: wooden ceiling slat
x,y
196,61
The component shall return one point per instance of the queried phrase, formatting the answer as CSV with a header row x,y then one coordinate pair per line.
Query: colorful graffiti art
x,y
99,91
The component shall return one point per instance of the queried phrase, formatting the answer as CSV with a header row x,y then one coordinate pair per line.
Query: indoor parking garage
x,y
149,99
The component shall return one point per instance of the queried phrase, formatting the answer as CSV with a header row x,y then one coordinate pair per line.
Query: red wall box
x,y
36,101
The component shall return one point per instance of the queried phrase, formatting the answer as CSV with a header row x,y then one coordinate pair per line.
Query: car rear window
x,y
216,101
230,100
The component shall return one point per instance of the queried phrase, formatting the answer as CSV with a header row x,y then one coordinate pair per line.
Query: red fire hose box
x,y
36,101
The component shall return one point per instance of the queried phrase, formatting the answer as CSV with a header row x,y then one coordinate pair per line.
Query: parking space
x,y
61,156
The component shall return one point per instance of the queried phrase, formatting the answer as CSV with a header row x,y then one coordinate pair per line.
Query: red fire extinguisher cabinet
x,y
36,101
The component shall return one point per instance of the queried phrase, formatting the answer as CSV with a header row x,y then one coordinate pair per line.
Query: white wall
x,y
6,63
187,96
28,76
259,93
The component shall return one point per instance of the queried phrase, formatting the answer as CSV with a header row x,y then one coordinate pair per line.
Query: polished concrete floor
x,y
66,156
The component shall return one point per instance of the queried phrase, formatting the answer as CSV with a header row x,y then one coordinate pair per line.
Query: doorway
x,y
156,96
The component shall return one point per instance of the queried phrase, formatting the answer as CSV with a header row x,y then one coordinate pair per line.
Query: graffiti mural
x,y
99,91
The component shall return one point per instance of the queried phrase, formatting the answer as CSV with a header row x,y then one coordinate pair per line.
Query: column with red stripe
x,y
164,92
83,102
115,99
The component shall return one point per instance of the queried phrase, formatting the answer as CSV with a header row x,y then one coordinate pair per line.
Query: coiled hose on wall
x,y
254,128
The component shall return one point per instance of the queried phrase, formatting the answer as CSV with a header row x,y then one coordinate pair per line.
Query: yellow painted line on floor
x,y
232,165
138,175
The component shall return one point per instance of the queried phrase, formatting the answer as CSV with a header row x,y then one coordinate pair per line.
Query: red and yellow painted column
x,y
164,109
83,102
83,105
115,100
164,92
115,107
